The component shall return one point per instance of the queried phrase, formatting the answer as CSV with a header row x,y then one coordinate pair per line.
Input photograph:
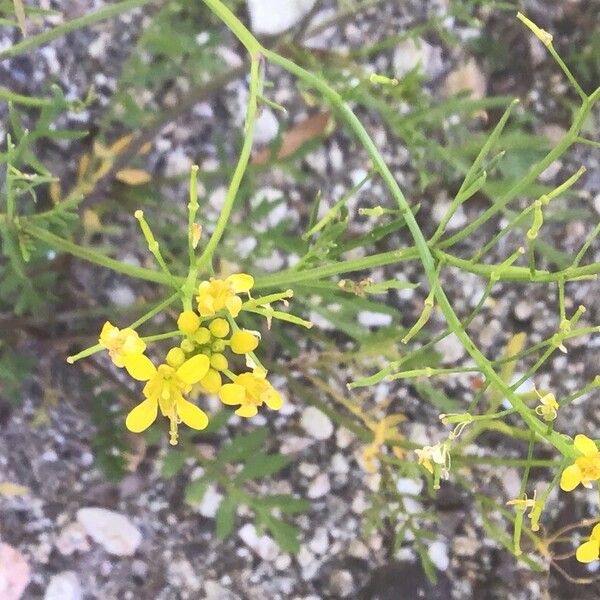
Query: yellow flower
x,y
166,387
218,294
585,469
548,406
250,390
120,343
428,456
590,551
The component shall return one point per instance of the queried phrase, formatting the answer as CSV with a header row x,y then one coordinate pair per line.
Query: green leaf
x,y
284,534
217,421
225,518
437,398
196,489
262,465
242,446
173,463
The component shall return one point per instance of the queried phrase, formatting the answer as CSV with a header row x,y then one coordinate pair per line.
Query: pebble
x,y
320,541
266,128
309,470
417,53
215,591
523,310
339,464
343,437
404,485
294,444
438,553
369,318
264,546
265,19
319,487
112,530
341,584
14,573
64,586
122,295
178,163
316,423
210,502
181,574
451,349
467,77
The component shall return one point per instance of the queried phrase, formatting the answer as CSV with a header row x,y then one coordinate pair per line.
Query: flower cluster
x,y
199,363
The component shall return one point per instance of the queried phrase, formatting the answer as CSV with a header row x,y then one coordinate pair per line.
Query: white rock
x,y
266,127
182,575
343,437
122,295
339,464
451,349
178,163
404,485
419,53
294,444
264,546
64,586
14,573
467,77
270,17
72,538
320,541
438,553
316,423
319,487
374,319
210,502
215,591
342,584
112,530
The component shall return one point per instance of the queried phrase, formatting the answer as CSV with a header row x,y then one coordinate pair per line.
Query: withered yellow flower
x,y
120,343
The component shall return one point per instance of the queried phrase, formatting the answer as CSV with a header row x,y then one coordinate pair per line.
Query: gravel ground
x,y
152,545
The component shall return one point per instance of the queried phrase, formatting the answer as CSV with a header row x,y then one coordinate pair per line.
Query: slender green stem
x,y
112,10
568,139
96,257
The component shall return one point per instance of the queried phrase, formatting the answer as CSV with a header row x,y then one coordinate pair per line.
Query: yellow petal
x,y
596,533
140,367
241,282
243,342
274,400
232,393
211,382
247,411
194,369
191,415
588,552
142,416
234,305
586,446
570,478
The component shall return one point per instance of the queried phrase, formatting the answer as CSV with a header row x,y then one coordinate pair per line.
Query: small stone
x,y
182,575
523,310
309,470
319,487
210,502
14,573
122,295
178,163
438,553
339,464
468,77
112,530
358,550
266,128
283,562
359,504
215,591
72,538
344,437
341,584
64,586
320,541
369,318
294,444
451,349
404,485
269,19
417,53
316,423
264,546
